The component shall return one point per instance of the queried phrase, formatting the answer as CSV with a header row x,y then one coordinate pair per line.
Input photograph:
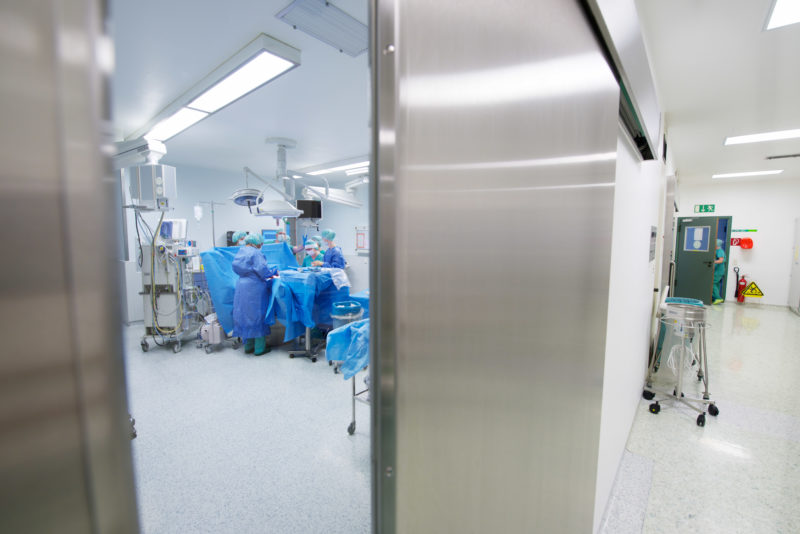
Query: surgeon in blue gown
x,y
251,298
333,254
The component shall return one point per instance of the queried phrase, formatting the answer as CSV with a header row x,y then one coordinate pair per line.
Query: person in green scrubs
x,y
719,272
312,253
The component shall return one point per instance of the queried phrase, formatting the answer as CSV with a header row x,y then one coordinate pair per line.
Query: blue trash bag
x,y
349,344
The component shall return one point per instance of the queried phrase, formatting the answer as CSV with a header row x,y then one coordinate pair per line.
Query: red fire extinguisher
x,y
741,285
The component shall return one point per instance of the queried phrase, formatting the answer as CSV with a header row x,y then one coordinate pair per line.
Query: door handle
x,y
708,263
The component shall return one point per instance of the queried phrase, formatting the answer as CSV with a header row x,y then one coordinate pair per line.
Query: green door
x,y
694,257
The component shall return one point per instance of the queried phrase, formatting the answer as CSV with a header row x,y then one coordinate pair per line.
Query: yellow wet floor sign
x,y
752,291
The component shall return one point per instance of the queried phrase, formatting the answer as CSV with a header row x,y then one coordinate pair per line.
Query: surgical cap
x,y
253,239
237,236
317,239
311,244
328,234
720,242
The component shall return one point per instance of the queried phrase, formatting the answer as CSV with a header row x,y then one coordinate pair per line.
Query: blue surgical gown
x,y
251,298
333,258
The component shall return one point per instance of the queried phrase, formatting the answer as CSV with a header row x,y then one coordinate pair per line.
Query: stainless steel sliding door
x,y
496,135
65,458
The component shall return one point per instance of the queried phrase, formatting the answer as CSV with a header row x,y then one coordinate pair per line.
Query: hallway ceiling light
x,y
762,137
742,174
783,13
263,59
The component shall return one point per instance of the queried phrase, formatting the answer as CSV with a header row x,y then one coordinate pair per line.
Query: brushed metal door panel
x,y
501,112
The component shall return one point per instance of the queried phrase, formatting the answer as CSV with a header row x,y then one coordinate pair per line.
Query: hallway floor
x,y
233,443
741,472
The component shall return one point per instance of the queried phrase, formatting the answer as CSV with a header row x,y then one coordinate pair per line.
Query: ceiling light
x,y
783,13
263,59
329,24
175,124
761,137
251,75
339,168
360,170
750,173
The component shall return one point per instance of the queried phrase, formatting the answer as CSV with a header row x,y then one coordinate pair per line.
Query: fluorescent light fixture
x,y
762,137
783,13
175,124
743,174
263,59
296,176
329,170
328,23
360,170
339,196
251,75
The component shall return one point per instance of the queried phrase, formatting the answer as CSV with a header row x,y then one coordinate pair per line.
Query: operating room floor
x,y
741,472
232,443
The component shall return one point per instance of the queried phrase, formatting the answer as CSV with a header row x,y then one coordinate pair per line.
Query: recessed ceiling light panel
x,y
747,173
762,137
328,23
783,13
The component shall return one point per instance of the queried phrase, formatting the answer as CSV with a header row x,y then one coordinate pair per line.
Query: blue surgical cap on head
x,y
328,234
720,242
237,236
253,239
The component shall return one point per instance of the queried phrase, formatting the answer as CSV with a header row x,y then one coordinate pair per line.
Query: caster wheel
x,y
145,345
655,407
705,397
199,345
330,363
336,370
701,420
209,349
713,410
648,395
176,348
352,428
236,344
314,360
291,355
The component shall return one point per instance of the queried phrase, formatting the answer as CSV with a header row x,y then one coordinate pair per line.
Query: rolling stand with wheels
x,y
687,322
361,396
309,351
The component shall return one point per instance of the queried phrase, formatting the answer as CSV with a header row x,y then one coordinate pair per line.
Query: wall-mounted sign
x,y
735,241
696,239
704,208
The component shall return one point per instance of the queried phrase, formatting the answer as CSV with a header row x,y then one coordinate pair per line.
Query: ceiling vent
x,y
328,23
784,156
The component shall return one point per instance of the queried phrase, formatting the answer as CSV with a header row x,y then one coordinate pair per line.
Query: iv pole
x,y
213,228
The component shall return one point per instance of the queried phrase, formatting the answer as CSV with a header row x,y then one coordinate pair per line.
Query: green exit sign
x,y
704,208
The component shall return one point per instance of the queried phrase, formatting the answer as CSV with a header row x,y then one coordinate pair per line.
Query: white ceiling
x,y
165,47
718,75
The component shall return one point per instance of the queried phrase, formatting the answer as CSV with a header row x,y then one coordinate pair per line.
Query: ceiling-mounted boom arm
x,y
249,171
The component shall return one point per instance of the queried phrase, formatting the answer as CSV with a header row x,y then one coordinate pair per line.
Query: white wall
x,y
637,198
197,185
768,205
344,220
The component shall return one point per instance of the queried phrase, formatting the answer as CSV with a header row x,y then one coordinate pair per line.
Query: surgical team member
x,y
312,253
251,298
719,272
333,254
238,238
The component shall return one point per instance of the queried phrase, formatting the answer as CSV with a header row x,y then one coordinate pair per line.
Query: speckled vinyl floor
x,y
740,473
232,443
